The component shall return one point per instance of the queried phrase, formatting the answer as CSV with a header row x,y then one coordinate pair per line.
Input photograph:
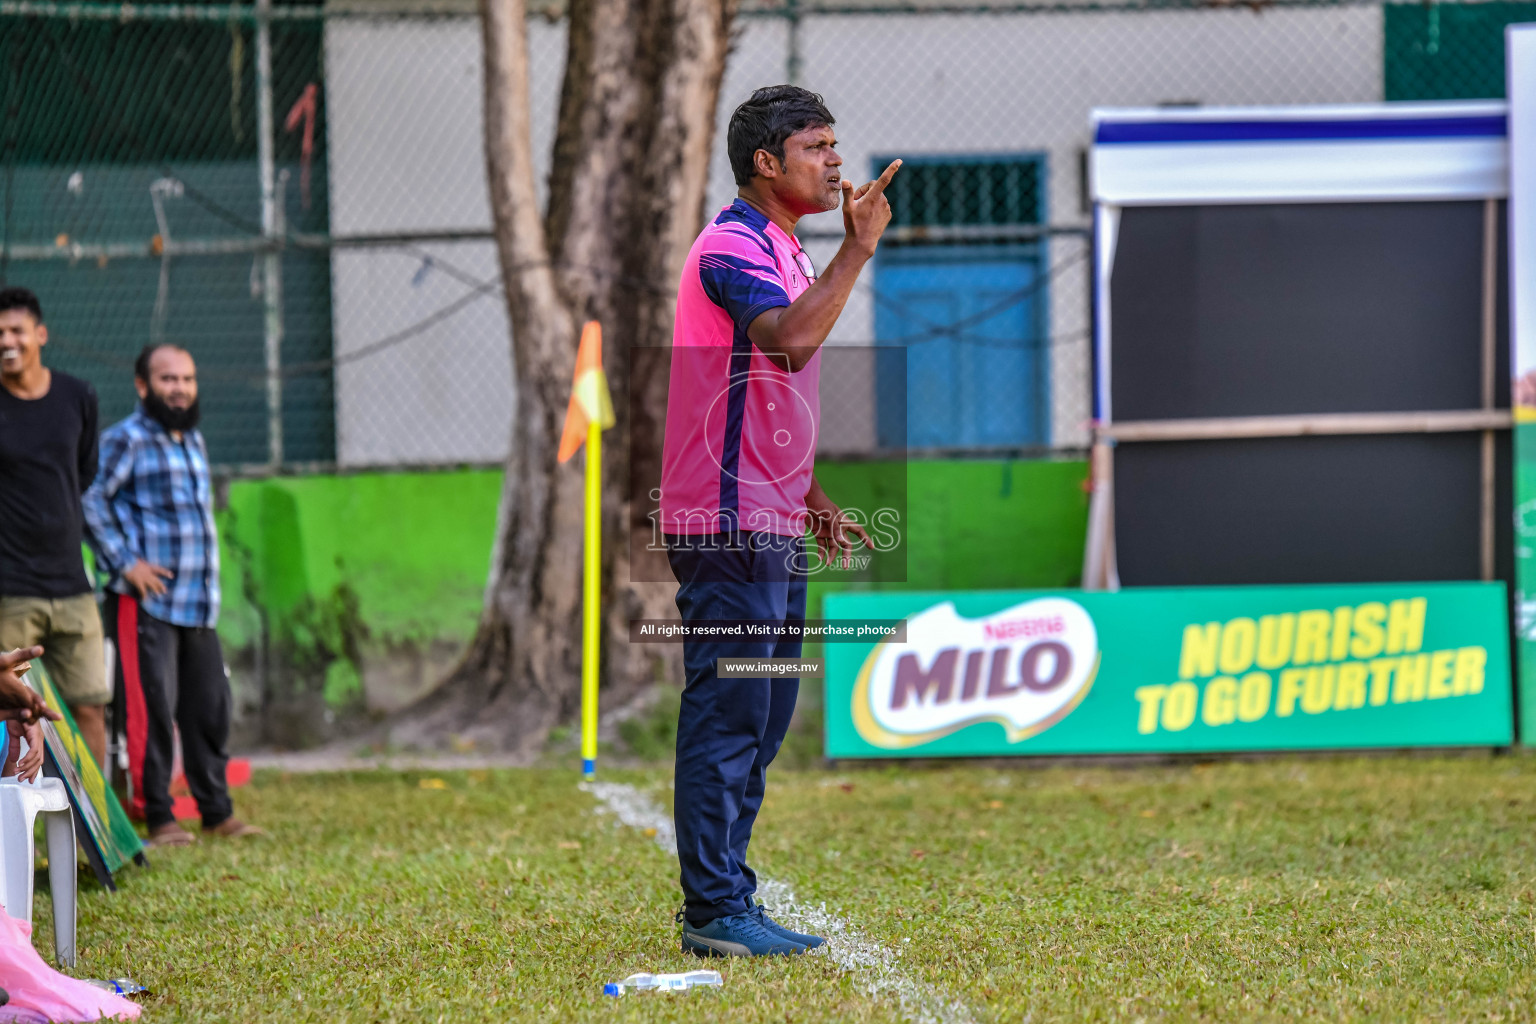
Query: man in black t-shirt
x,y
48,438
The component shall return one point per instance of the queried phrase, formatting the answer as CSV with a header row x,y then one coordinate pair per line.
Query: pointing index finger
x,y
878,186
10,659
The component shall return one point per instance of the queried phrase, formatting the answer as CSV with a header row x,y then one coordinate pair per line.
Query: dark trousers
x,y
171,677
729,730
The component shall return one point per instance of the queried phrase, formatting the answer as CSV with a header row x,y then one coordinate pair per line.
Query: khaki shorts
x,y
69,630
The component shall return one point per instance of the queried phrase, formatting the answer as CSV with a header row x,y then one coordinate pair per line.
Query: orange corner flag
x,y
590,400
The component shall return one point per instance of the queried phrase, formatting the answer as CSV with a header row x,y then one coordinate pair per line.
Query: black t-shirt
x,y
47,460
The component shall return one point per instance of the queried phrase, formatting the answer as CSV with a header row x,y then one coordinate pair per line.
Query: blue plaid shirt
x,y
153,499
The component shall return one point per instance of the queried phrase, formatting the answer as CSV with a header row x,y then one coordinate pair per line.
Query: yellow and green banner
x,y
1173,670
101,825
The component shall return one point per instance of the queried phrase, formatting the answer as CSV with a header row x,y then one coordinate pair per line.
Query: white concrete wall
x,y
405,154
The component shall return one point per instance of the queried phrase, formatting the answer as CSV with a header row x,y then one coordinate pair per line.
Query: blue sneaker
x,y
808,941
736,935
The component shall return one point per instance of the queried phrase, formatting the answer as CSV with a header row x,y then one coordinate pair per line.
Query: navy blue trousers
x,y
729,730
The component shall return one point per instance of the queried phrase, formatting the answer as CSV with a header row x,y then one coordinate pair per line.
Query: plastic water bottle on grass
x,y
663,982
120,986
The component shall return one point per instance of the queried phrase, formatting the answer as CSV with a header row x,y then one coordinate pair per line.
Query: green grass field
x,y
1329,889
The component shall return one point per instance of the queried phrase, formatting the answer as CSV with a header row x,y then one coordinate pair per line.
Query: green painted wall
x,y
348,594
979,524
351,591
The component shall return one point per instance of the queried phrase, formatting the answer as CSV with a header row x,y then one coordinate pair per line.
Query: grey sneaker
x,y
736,935
808,941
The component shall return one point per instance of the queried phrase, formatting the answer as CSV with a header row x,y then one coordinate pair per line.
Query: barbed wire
x,y
295,370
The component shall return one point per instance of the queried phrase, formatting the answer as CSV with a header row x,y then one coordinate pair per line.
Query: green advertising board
x,y
1171,670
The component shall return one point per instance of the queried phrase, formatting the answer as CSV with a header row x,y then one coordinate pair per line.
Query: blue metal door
x,y
977,367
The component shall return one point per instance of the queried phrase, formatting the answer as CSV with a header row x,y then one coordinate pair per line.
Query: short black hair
x,y
764,121
141,364
21,298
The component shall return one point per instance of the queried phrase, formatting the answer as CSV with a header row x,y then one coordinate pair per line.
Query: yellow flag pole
x,y
591,592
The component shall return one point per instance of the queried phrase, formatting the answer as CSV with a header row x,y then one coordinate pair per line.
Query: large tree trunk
x,y
627,185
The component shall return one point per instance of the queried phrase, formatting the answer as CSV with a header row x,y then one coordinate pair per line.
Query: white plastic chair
x,y
20,804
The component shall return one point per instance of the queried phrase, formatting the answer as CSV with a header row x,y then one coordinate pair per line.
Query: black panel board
x,y
1293,309
1348,509
1296,308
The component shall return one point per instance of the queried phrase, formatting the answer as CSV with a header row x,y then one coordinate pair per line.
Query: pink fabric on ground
x,y
41,995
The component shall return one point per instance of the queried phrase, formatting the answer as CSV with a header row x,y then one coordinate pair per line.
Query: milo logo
x,y
1025,668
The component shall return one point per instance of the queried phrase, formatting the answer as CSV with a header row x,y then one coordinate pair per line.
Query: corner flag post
x,y
591,593
588,415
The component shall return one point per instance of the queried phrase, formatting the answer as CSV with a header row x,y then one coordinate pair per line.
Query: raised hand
x,y
25,766
866,211
16,695
835,530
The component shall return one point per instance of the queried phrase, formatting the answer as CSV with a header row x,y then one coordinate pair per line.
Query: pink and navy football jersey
x,y
741,429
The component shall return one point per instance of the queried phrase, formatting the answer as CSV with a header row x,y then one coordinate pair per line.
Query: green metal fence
x,y
1448,51
133,205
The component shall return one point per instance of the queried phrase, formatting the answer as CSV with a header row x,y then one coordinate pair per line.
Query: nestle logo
x,y
1024,668
1011,628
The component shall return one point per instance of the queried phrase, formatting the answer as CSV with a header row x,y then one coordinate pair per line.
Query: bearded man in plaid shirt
x,y
150,517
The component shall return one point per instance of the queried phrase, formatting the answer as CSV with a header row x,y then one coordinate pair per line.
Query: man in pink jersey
x,y
738,488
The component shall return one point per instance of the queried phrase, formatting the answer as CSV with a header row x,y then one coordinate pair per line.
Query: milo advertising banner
x,y
1159,670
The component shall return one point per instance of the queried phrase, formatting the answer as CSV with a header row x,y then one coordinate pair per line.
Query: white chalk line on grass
x,y
875,964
